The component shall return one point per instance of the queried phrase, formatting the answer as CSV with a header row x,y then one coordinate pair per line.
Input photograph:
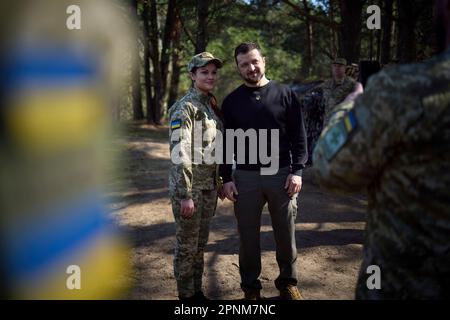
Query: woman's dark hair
x,y
212,100
215,107
194,69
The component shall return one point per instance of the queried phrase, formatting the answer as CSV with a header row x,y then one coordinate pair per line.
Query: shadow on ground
x,y
324,221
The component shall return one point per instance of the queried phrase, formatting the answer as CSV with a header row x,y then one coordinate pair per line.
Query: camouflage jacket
x,y
192,132
395,143
313,115
334,93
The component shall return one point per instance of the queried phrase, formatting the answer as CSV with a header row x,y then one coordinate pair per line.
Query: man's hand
x,y
229,190
187,208
293,184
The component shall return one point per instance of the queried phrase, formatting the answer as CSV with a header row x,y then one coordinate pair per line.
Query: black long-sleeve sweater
x,y
273,106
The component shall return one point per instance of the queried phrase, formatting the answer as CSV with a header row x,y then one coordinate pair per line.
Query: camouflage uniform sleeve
x,y
360,137
181,126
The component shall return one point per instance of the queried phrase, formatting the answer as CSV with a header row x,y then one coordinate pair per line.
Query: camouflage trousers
x,y
413,274
191,238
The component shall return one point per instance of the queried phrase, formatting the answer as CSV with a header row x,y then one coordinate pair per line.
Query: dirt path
x,y
329,232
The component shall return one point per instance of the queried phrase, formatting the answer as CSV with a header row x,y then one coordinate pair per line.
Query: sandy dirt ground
x,y
329,231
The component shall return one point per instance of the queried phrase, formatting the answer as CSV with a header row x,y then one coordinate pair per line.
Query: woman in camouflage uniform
x,y
193,179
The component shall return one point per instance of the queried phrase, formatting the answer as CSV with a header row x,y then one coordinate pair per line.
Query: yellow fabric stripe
x,y
51,120
103,274
348,124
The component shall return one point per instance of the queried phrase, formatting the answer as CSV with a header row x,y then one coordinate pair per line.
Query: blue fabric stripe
x,y
352,118
47,66
59,231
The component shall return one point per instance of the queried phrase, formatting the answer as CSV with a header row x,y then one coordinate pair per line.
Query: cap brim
x,y
217,62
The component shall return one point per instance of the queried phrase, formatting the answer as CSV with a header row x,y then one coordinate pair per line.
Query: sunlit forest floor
x,y
329,231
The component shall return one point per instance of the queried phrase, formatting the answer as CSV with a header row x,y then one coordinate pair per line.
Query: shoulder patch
x,y
337,135
175,124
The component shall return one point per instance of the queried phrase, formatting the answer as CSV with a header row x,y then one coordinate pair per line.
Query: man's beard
x,y
252,80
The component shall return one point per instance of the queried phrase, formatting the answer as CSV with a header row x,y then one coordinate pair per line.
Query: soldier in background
x,y
318,102
193,186
395,143
336,89
313,115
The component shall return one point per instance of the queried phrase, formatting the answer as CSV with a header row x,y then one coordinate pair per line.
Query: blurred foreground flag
x,y
57,90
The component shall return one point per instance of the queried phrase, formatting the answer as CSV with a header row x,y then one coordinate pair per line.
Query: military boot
x,y
290,292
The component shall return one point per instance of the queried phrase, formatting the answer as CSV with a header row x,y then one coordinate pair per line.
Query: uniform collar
x,y
338,83
199,96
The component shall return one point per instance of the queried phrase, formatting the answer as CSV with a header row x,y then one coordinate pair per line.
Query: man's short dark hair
x,y
244,48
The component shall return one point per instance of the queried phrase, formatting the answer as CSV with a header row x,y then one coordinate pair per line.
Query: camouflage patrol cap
x,y
340,61
202,59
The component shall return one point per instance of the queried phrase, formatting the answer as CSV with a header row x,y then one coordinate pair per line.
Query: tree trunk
x,y
406,46
167,42
176,63
386,31
202,22
333,46
378,53
307,64
158,95
378,36
114,101
138,112
148,77
350,35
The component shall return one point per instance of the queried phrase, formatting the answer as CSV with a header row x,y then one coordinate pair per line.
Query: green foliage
x,y
281,32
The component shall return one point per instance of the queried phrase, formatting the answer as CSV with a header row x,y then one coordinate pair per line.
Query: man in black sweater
x,y
261,105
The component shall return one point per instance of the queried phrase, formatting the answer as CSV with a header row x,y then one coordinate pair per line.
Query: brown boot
x,y
290,293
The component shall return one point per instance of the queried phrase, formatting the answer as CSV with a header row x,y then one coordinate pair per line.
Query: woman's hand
x,y
230,191
187,208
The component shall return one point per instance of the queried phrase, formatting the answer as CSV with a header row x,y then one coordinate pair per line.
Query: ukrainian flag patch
x,y
350,121
338,135
175,124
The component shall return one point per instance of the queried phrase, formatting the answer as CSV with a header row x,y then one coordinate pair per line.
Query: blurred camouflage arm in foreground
x,y
356,143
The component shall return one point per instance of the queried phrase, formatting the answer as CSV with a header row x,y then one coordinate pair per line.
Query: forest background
x,y
298,38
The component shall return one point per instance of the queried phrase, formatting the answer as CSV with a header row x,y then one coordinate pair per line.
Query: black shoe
x,y
199,296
